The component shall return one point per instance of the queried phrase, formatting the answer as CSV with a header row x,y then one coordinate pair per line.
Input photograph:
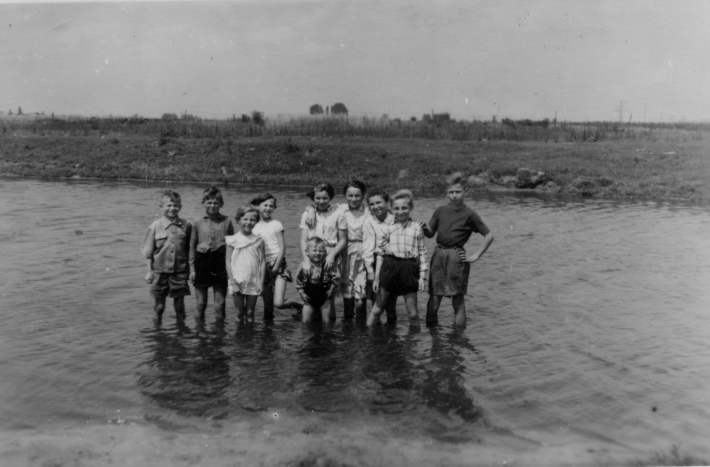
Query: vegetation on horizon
x,y
431,127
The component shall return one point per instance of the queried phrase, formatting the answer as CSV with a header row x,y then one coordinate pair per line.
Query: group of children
x,y
360,250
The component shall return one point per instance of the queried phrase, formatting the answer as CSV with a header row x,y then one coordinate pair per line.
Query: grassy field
x,y
669,167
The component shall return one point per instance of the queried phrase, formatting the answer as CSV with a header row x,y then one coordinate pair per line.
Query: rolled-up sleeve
x,y
422,251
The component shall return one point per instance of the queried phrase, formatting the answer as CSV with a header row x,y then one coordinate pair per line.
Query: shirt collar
x,y
457,208
165,222
330,208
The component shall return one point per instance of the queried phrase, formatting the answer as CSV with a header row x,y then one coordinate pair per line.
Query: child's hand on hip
x,y
422,284
149,277
192,278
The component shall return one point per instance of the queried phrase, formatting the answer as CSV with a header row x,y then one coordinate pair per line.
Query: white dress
x,y
247,258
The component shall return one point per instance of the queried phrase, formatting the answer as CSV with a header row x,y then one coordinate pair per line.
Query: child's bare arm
x,y
149,274
282,252
376,280
426,229
306,264
487,240
263,265
310,219
227,259
342,243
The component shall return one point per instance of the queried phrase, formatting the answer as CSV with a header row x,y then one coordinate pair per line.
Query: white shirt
x,y
269,232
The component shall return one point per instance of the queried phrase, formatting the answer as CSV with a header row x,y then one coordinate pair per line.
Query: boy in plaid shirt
x,y
401,270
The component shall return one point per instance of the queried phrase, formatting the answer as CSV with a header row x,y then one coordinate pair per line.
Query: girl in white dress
x,y
246,263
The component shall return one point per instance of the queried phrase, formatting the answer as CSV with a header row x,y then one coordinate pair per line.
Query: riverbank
x,y
606,169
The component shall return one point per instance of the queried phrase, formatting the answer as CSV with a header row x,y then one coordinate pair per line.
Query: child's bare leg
x,y
459,305
327,311
179,306
239,304
279,292
158,308
382,297
432,309
307,316
268,295
220,300
410,301
360,308
348,308
250,304
391,308
201,297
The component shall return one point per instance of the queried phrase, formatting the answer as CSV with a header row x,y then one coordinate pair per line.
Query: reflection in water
x,y
188,372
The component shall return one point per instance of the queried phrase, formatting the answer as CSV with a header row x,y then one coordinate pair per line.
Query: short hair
x,y
315,241
378,192
455,178
212,193
173,195
321,186
404,194
246,209
261,197
355,184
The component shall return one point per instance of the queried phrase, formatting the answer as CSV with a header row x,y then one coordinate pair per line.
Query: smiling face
x,y
378,206
354,197
316,252
248,221
212,206
456,193
170,208
321,200
401,209
266,208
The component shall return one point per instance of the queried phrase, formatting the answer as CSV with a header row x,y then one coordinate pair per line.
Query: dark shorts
x,y
169,285
211,269
270,277
448,274
400,276
317,294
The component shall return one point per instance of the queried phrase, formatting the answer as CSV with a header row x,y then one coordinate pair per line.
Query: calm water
x,y
587,343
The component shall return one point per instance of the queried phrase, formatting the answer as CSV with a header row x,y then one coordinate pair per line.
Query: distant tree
x,y
316,109
169,116
190,118
19,110
9,112
426,118
385,117
245,118
339,108
414,119
327,110
258,118
494,119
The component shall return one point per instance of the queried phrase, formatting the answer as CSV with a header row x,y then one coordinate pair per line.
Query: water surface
x,y
587,343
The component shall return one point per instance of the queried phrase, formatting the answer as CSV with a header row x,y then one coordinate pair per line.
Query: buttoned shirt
x,y
371,238
210,232
404,241
313,275
167,244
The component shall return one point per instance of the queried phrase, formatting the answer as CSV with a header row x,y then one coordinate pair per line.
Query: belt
x,y
449,247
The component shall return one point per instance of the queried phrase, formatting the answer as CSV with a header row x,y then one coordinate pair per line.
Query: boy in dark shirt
x,y
317,283
165,248
450,267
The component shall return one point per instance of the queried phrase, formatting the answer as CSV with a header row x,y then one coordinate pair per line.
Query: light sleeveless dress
x,y
247,258
353,272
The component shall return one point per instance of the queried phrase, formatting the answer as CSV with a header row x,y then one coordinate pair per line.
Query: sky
x,y
576,59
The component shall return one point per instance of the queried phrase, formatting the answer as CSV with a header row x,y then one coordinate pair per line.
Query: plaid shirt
x,y
404,241
167,243
371,237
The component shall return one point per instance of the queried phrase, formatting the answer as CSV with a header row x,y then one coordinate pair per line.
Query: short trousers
x,y
172,284
211,269
270,277
448,274
317,294
400,276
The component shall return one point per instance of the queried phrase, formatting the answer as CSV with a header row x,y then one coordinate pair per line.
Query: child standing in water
x,y
453,225
245,263
380,216
272,231
330,226
165,248
316,282
207,252
401,270
353,272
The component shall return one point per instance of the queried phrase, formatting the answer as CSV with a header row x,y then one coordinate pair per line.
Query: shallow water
x,y
587,343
